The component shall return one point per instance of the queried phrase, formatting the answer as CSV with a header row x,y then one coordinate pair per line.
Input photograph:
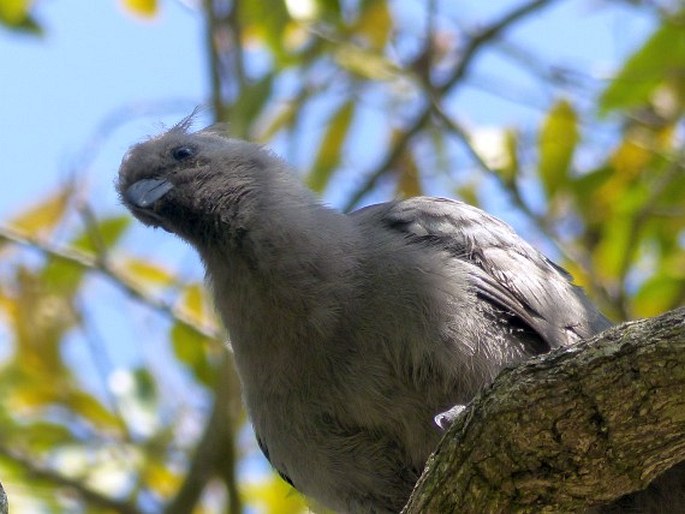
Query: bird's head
x,y
198,185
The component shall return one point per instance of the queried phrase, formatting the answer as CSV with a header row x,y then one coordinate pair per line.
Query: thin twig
x,y
541,224
88,262
215,454
474,45
211,24
92,497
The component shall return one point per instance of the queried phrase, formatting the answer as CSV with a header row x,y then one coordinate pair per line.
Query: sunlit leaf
x,y
248,106
557,142
43,435
161,478
330,149
42,218
61,277
610,253
661,59
659,294
108,231
145,271
275,495
191,348
143,8
510,167
376,24
14,12
89,408
365,63
283,118
497,148
265,23
39,319
194,303
408,182
468,193
136,392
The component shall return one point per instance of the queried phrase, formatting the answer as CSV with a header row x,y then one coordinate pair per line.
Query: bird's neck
x,y
284,287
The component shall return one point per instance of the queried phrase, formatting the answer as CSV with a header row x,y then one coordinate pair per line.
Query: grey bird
x,y
352,333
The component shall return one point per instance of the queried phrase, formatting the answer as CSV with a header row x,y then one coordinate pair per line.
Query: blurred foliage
x,y
614,205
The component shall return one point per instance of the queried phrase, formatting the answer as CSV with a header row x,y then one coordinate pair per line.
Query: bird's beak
x,y
147,191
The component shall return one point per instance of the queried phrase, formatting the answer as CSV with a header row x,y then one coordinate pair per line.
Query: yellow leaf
x,y
558,138
408,183
147,272
160,478
194,304
274,495
143,8
40,219
14,11
376,23
330,148
283,117
368,64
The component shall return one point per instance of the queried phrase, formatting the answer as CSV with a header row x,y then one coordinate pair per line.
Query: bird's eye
x,y
181,153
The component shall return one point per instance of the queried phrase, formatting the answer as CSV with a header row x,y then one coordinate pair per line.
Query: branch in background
x,y
91,263
215,454
474,45
211,24
540,222
94,498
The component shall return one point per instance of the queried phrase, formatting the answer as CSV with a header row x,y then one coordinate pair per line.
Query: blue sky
x,y
96,59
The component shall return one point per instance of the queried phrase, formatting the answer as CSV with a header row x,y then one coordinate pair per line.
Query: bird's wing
x,y
265,452
503,269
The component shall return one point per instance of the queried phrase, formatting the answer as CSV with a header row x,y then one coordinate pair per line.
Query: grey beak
x,y
147,191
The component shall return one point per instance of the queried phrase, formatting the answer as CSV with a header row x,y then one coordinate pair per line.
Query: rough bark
x,y
3,501
576,427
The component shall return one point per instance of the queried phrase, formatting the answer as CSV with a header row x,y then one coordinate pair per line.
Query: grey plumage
x,y
351,332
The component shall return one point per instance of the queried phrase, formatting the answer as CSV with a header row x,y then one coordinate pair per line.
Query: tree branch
x,y
474,45
215,454
577,427
102,266
92,497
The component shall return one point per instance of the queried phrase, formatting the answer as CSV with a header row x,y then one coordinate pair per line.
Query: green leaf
x,y
366,63
246,109
43,436
41,219
108,231
557,142
331,147
661,58
191,348
408,183
266,22
283,118
659,294
510,168
14,12
376,24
